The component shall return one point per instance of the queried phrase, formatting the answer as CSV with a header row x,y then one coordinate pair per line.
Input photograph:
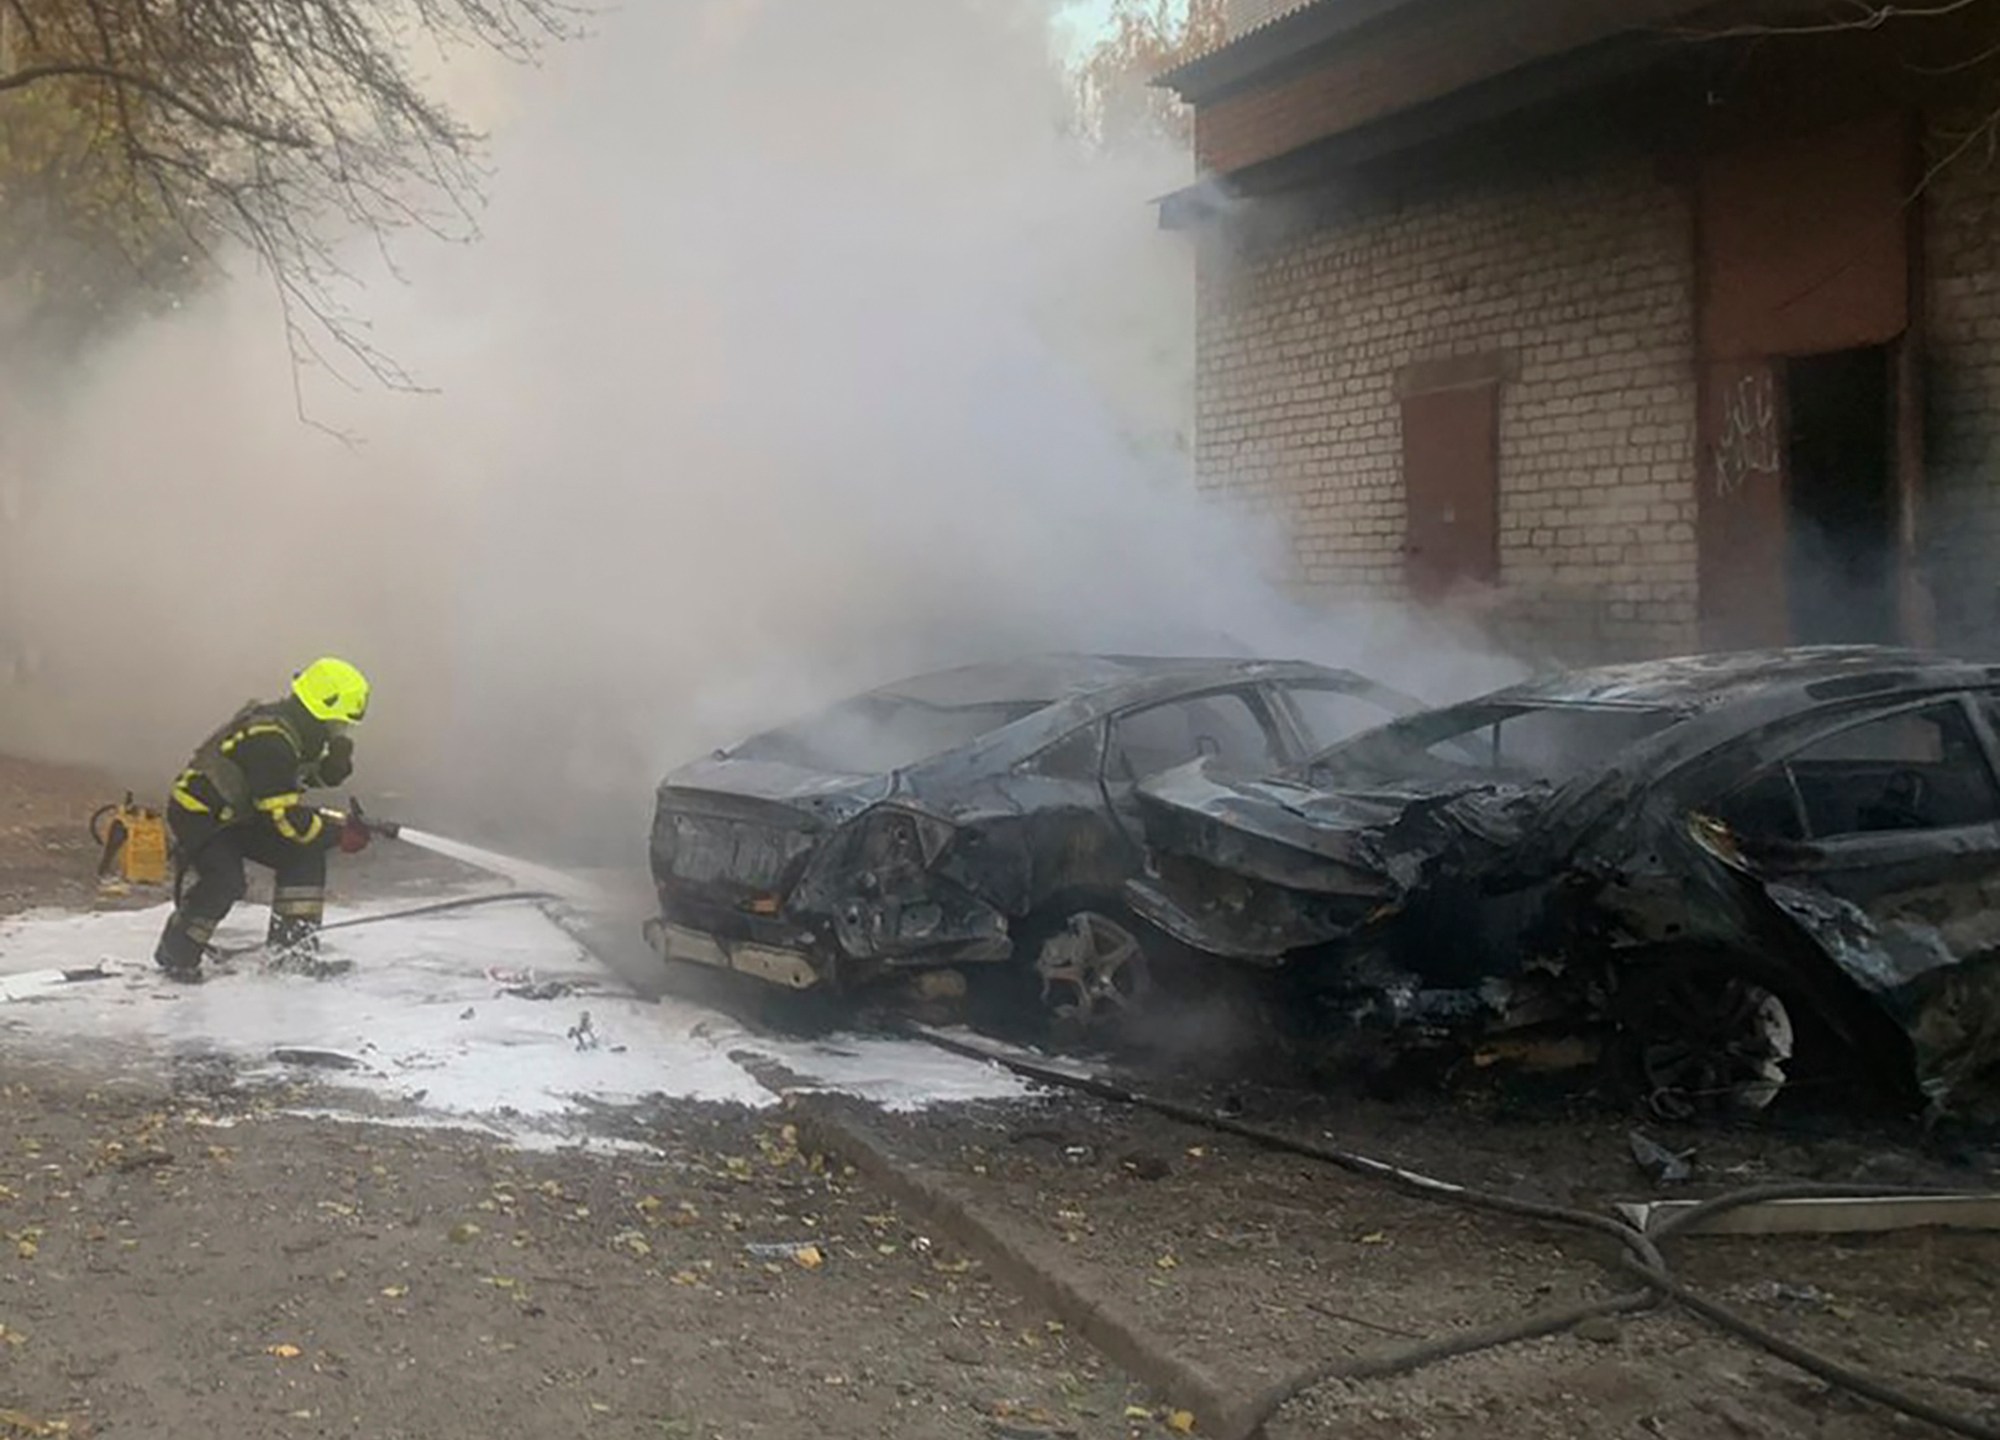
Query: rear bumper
x,y
773,964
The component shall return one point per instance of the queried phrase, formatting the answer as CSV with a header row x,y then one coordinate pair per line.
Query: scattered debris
x,y
1779,1292
1665,1166
314,1059
522,985
803,1253
145,1160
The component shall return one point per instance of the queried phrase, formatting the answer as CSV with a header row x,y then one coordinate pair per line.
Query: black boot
x,y
293,935
181,947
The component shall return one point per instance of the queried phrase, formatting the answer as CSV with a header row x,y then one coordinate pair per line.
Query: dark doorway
x,y
1840,563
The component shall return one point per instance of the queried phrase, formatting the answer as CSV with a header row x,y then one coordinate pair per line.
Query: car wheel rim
x,y
1714,1043
1092,970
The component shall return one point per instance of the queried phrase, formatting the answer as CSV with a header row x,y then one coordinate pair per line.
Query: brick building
x,y
1636,325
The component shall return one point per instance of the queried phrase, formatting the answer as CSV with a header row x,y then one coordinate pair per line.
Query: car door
x,y
1886,852
1232,726
1895,811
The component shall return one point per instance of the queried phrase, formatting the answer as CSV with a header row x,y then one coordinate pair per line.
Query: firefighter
x,y
242,798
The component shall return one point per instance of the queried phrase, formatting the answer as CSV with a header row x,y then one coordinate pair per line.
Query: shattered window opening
x,y
876,733
1330,716
1074,757
1223,726
1912,770
1494,741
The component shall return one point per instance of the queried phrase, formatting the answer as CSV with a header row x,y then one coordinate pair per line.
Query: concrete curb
x,y
840,1130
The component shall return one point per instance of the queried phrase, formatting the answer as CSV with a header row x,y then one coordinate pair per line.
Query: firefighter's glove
x,y
338,762
354,836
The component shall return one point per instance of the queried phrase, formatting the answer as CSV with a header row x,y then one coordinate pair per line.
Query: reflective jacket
x,y
261,763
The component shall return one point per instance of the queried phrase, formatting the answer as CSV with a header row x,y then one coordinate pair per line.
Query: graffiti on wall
x,y
1747,441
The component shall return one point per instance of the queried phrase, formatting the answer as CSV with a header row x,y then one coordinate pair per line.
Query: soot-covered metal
x,y
1729,873
979,817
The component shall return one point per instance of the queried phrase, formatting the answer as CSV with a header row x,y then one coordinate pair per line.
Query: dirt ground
x,y
177,1264
178,1258
1263,1265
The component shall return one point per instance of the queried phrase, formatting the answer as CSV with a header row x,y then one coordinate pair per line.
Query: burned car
x,y
1727,872
975,817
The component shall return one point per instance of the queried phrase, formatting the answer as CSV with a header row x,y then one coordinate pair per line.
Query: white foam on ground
x,y
429,1025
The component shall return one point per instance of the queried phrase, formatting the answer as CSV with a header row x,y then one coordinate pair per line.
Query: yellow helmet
x,y
332,690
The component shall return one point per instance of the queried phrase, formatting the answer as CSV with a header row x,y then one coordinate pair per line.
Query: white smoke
x,y
805,347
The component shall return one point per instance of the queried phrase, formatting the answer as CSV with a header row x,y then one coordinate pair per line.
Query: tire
x,y
1699,1036
1085,966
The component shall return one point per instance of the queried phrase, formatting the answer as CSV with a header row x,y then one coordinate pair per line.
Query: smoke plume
x,y
806,345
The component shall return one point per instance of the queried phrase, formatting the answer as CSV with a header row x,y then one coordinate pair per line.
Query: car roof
x,y
1703,682
1047,679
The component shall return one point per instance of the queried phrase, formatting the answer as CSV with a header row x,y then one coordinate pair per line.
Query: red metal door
x,y
1451,489
1740,530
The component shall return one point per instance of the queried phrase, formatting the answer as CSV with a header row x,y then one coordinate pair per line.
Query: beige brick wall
x,y
1586,281
1961,535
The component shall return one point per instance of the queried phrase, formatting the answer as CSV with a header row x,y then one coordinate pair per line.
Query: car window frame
x,y
1301,744
1250,693
1100,729
1808,735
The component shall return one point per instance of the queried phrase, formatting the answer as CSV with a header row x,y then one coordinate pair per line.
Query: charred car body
x,y
1725,865
972,817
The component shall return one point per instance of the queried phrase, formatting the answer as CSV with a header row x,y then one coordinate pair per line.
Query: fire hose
x,y
1640,1257
435,907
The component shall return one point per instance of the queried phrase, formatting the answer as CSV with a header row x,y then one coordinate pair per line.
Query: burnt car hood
x,y
1348,856
1379,838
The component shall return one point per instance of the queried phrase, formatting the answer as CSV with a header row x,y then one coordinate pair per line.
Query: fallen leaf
x,y
1181,1422
29,1249
1137,1412
464,1231
1377,1238
502,1282
686,1277
1196,1152
951,1267
284,1352
808,1257
395,1292
1167,1262
647,1204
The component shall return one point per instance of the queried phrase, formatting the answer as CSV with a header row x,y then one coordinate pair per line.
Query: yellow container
x,y
134,838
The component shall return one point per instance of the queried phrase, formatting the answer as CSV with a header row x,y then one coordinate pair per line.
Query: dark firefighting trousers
x,y
214,855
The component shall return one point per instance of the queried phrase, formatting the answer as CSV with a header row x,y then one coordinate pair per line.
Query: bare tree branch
x,y
123,80
284,126
1863,15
